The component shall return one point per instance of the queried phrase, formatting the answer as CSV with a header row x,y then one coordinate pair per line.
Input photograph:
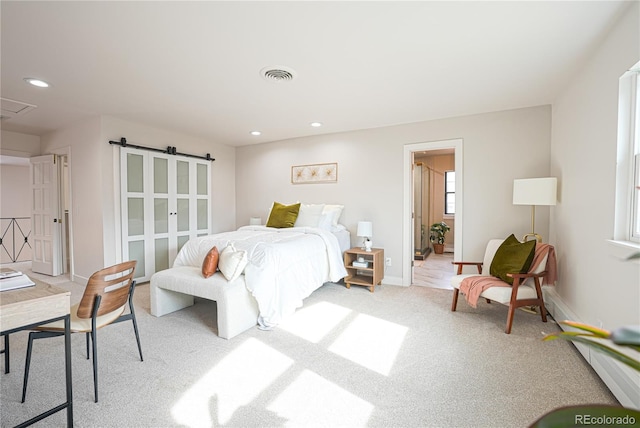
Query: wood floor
x,y
435,271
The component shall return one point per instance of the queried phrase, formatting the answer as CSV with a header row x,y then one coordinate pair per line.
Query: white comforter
x,y
284,265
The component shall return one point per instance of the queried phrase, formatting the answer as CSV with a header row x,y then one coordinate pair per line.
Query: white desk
x,y
29,307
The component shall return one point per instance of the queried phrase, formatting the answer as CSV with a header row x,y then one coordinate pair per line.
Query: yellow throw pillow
x,y
283,215
512,256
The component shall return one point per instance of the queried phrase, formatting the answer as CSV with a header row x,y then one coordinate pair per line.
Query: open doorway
x,y
16,245
434,210
432,194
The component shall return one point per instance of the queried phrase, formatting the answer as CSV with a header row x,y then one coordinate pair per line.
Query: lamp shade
x,y
365,229
535,191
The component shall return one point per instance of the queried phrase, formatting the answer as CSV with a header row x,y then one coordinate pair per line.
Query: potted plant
x,y
437,234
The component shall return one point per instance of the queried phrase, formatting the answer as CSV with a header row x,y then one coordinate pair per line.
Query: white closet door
x,y
134,193
46,221
184,208
163,217
165,202
202,198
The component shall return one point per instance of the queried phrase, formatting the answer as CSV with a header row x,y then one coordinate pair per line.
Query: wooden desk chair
x,y
103,303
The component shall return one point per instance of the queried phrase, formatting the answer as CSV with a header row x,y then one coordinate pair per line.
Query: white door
x,y
176,206
46,221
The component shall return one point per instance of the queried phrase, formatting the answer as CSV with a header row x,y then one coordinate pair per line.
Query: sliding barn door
x,y
165,202
46,219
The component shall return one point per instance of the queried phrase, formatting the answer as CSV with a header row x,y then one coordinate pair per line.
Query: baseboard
x,y
622,381
79,279
561,312
392,280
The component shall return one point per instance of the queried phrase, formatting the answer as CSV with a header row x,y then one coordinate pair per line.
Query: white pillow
x,y
331,214
232,262
309,215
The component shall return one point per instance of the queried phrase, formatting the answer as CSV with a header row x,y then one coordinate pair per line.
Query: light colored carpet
x,y
349,358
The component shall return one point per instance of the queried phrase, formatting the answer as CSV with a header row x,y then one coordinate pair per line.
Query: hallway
x,y
435,271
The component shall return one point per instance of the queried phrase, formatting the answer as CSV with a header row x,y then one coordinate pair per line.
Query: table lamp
x,y
365,231
534,191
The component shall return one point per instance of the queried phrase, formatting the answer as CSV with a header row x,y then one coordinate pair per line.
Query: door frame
x,y
66,186
407,224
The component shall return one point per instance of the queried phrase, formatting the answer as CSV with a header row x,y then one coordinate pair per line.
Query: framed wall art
x,y
317,173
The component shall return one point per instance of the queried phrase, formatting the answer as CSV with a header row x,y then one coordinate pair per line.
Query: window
x,y
450,192
627,222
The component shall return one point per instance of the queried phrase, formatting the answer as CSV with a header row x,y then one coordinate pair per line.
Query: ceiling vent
x,y
12,108
277,74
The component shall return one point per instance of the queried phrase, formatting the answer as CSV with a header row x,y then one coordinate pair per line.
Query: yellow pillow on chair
x,y
512,256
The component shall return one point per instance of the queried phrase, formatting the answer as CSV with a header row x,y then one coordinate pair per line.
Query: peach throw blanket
x,y
473,286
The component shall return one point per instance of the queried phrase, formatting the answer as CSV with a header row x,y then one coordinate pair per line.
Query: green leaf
x,y
586,327
553,336
634,256
563,417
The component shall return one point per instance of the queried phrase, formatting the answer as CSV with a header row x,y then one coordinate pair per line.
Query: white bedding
x,y
284,265
344,238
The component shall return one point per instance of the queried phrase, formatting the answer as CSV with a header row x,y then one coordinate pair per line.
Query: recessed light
x,y
316,124
36,82
256,133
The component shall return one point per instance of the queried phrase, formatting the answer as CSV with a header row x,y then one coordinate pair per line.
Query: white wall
x,y
599,288
15,201
596,285
20,145
498,147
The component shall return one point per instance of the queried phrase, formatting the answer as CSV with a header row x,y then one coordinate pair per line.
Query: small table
x,y
29,307
369,275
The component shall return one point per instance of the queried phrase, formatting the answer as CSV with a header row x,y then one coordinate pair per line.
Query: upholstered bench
x,y
174,289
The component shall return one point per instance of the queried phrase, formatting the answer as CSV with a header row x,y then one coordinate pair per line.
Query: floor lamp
x,y
534,191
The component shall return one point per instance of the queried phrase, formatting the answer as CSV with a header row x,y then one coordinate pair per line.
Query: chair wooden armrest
x,y
461,264
526,275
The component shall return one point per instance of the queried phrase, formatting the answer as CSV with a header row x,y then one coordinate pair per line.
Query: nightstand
x,y
369,275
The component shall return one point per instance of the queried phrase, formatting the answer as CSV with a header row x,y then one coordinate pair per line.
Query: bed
x,y
273,270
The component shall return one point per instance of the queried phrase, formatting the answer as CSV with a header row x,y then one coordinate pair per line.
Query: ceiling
x,y
194,67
